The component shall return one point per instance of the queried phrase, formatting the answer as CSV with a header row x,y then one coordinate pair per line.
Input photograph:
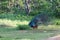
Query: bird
x,y
42,18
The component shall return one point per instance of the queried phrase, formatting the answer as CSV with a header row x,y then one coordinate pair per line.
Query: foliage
x,y
12,16
36,6
23,27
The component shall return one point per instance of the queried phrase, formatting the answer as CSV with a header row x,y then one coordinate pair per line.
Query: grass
x,y
8,30
14,34
49,27
24,24
12,23
9,33
23,27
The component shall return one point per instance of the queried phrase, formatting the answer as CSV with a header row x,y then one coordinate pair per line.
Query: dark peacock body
x,y
41,18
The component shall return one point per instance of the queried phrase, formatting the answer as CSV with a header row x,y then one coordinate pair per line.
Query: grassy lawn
x,y
12,23
13,34
8,31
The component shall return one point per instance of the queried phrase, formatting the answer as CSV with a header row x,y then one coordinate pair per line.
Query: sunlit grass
x,y
49,27
15,23
35,34
12,23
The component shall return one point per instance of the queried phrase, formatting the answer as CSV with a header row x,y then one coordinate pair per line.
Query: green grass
x,y
24,24
13,34
11,23
23,27
8,30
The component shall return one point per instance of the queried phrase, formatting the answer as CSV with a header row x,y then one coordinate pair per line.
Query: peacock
x,y
42,18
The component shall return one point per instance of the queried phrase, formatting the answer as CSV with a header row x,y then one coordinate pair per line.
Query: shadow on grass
x,y
23,27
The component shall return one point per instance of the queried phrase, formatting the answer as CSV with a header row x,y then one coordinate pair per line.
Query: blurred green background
x,y
15,16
